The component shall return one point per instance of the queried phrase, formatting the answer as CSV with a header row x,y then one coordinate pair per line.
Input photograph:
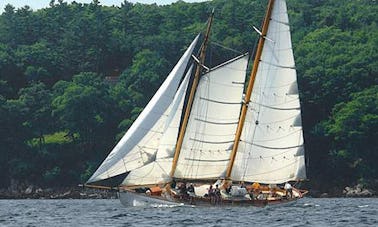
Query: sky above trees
x,y
44,3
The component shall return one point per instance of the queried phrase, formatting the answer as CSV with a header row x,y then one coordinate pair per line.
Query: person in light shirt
x,y
289,190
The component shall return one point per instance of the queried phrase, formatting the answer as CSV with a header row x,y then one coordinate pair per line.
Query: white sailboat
x,y
200,128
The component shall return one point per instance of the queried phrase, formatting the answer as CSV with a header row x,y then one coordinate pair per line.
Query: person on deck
x,y
255,190
289,190
211,193
191,193
173,184
217,194
191,189
183,190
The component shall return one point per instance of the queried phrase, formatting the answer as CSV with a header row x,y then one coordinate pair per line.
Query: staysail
x,y
213,119
139,145
271,145
158,170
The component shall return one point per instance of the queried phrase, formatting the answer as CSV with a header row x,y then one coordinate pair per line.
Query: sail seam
x,y
272,148
216,123
275,108
280,22
211,142
280,66
220,102
300,130
207,160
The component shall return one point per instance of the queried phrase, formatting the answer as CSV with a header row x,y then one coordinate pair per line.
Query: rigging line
x,y
207,160
280,22
229,62
274,108
234,84
294,99
273,122
216,123
162,168
273,148
280,86
270,156
227,48
212,135
203,116
220,102
211,142
276,65
209,150
299,130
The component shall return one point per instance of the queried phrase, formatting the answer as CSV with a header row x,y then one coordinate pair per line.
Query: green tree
x,y
36,99
353,129
84,107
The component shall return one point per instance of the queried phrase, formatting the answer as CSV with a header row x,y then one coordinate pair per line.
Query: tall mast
x,y
247,97
197,76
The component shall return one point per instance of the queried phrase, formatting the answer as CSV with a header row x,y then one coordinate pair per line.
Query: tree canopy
x,y
60,112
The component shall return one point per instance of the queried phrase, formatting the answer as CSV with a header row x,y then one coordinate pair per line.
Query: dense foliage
x,y
60,116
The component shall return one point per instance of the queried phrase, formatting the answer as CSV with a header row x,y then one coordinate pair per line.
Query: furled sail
x,y
271,146
139,145
213,120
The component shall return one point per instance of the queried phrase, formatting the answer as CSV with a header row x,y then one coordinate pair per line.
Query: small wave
x,y
362,206
311,205
166,205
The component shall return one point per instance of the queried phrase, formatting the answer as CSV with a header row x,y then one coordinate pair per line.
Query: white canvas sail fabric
x,y
139,145
271,146
158,171
212,123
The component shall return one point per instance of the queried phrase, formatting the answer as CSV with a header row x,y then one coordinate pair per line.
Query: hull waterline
x,y
130,199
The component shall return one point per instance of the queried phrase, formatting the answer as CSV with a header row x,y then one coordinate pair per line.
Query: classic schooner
x,y
201,129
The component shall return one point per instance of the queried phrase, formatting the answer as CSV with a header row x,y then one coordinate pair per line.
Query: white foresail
x,y
212,123
139,145
158,171
169,139
271,146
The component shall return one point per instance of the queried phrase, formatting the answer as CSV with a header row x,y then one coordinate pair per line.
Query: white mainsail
x,y
139,145
271,146
213,120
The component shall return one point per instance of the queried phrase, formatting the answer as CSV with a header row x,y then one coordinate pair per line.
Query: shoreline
x,y
58,193
33,192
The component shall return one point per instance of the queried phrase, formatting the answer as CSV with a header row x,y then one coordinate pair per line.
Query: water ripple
x,y
307,212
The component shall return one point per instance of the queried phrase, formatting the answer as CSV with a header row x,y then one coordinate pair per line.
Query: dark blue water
x,y
307,212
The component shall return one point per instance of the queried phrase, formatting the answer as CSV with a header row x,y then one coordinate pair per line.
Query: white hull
x,y
131,199
134,199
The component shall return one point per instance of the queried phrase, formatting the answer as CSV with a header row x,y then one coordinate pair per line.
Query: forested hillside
x,y
60,114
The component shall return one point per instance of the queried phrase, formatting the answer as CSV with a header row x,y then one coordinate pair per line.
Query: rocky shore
x,y
33,192
357,191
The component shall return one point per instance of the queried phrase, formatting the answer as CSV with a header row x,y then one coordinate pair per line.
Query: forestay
x,y
139,145
271,146
212,123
